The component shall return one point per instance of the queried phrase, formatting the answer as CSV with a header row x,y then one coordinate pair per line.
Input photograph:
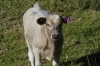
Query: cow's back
x,y
31,28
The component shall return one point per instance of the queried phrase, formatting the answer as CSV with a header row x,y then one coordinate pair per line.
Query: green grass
x,y
81,35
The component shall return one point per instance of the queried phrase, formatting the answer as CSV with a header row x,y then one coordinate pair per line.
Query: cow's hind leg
x,y
30,54
31,58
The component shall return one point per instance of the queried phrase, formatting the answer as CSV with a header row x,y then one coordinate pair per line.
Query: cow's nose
x,y
55,36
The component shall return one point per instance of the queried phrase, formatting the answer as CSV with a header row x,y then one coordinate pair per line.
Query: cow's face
x,y
53,25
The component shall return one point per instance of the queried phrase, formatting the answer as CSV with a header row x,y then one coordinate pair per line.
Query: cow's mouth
x,y
55,36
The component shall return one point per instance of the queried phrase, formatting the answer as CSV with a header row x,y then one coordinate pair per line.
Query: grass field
x,y
81,34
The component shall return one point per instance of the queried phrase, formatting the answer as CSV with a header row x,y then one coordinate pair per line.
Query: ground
x,y
81,34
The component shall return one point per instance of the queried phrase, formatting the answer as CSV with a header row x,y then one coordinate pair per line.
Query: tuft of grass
x,y
81,34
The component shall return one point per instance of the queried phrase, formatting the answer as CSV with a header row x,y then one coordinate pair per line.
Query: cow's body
x,y
39,37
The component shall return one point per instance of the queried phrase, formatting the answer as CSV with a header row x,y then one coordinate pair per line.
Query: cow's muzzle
x,y
55,36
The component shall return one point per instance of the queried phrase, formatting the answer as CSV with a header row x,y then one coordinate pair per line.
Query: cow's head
x,y
53,25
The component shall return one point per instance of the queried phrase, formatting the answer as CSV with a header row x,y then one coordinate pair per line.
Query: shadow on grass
x,y
88,60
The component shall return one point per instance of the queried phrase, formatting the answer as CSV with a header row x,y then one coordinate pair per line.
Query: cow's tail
x,y
36,5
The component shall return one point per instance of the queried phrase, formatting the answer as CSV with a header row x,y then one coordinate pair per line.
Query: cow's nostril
x,y
55,36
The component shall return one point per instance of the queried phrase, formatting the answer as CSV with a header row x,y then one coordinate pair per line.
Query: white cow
x,y
43,34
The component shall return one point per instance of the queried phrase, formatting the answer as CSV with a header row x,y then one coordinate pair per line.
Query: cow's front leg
x,y
56,61
37,57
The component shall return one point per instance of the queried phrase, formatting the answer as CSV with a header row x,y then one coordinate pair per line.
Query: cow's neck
x,y
50,45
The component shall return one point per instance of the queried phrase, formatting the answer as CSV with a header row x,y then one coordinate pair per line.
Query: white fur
x,y
35,39
31,57
48,58
54,63
56,17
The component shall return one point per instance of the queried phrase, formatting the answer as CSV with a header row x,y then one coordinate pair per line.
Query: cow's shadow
x,y
88,60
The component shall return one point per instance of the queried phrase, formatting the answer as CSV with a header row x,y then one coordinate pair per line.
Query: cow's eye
x,y
47,24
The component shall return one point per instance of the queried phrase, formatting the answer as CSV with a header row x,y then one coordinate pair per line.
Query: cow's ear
x,y
41,20
65,19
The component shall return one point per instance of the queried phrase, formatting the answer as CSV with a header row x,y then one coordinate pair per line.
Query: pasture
x,y
81,34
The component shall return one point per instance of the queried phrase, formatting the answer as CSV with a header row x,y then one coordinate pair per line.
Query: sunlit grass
x,y
81,34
